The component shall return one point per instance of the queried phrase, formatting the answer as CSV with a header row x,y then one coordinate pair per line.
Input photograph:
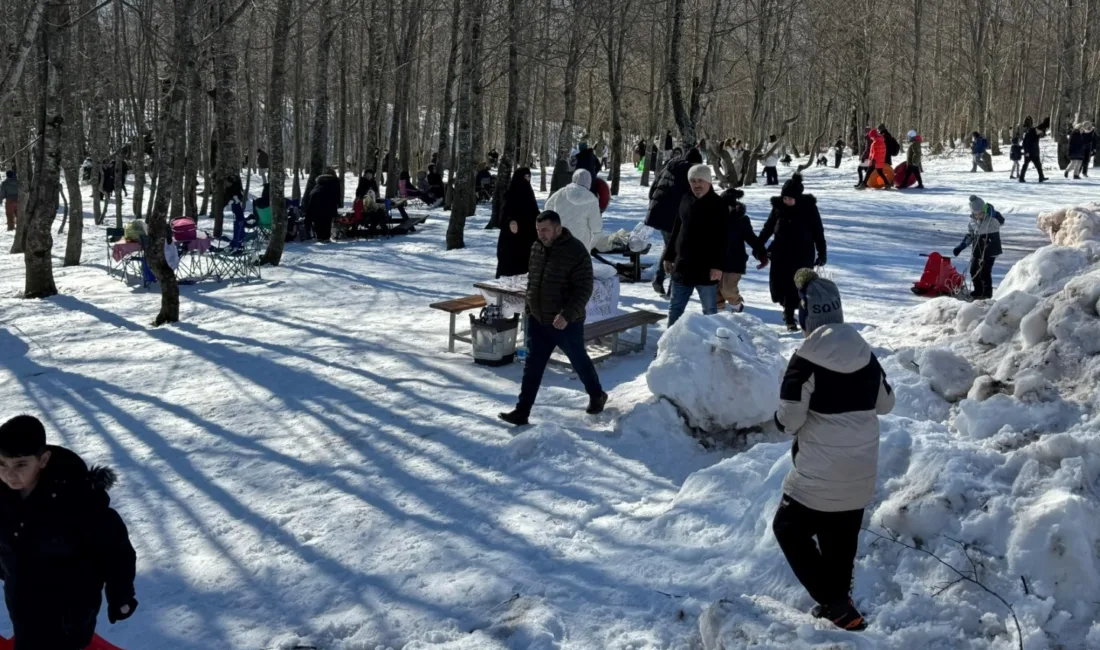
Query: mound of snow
x,y
1002,321
984,419
1071,226
722,371
543,440
1043,272
913,394
1074,315
949,374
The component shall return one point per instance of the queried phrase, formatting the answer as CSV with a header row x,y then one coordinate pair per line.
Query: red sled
x,y
98,643
901,180
940,278
603,193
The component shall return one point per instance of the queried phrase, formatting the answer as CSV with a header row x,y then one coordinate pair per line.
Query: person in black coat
x,y
435,182
839,147
697,247
1016,154
517,232
324,204
893,147
263,163
61,544
1078,152
1031,148
367,183
799,243
739,233
665,195
586,159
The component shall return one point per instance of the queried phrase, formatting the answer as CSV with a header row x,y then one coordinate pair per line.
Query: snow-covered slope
x,y
302,463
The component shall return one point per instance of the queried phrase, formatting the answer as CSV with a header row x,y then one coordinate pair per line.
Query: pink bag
x,y
184,230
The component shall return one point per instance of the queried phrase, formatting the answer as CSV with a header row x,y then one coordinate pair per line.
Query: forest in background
x,y
183,91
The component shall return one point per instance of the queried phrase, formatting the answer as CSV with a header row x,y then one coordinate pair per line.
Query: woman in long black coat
x,y
799,242
517,225
324,204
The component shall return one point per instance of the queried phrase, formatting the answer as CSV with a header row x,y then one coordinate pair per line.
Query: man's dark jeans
x,y
541,341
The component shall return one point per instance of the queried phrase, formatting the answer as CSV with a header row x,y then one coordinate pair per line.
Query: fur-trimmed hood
x,y
805,199
67,468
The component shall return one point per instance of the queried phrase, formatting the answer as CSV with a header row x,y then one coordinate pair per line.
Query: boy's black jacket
x,y
59,548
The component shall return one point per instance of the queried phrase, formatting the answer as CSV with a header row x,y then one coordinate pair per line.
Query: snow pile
x,y
544,440
1072,226
949,375
1043,272
721,371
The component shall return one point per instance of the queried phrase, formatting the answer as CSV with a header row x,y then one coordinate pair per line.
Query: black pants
x,y
660,277
541,341
837,159
981,274
824,568
1038,167
863,180
772,174
910,172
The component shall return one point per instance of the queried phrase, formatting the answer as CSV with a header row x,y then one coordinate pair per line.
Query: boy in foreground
x,y
60,542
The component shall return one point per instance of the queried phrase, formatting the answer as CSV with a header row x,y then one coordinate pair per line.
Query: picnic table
x,y
632,270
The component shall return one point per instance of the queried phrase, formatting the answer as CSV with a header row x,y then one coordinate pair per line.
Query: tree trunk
x,y
512,118
37,235
276,117
569,93
18,53
447,102
72,153
319,139
464,202
227,164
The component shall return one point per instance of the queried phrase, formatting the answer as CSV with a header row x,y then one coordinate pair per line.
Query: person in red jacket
x,y
877,159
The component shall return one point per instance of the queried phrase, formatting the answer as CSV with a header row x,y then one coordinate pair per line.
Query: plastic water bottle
x,y
521,354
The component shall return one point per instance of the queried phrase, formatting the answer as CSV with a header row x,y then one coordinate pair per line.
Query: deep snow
x,y
302,462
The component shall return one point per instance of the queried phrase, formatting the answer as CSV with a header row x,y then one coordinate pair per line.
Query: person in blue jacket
x,y
977,147
983,238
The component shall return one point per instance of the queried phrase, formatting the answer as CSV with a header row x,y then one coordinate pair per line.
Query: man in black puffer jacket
x,y
664,203
1032,156
559,284
60,542
697,248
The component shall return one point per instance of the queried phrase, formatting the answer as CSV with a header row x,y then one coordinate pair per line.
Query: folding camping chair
x,y
238,256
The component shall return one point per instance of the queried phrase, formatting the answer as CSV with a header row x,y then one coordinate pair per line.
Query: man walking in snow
x,y
1032,155
664,204
831,397
559,284
697,247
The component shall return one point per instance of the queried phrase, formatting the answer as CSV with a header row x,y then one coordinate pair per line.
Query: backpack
x,y
892,146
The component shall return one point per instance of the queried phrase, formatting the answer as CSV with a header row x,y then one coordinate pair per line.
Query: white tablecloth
x,y
603,304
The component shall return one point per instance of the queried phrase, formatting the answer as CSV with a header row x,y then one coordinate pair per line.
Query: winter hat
x,y
23,435
583,178
976,204
882,127
793,187
912,133
1086,126
582,146
820,300
1028,122
732,195
699,171
694,157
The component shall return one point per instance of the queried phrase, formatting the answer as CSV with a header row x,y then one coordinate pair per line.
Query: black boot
x,y
516,417
596,404
659,287
845,616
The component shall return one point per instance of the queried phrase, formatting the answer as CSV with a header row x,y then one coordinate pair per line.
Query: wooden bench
x,y
630,272
613,327
454,308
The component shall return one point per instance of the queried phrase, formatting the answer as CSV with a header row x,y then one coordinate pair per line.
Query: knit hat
x,y
793,187
912,133
976,204
820,300
882,127
583,178
699,171
23,435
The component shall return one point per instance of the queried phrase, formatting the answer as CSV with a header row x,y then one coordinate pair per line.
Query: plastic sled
x,y
899,176
875,181
940,278
986,163
98,643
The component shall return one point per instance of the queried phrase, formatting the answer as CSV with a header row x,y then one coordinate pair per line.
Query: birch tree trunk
x,y
447,101
319,139
464,203
228,160
72,148
276,117
512,120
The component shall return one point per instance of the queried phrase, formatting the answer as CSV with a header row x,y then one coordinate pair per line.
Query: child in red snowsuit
x,y
876,158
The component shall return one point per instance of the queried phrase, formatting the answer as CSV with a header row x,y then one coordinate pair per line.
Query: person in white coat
x,y
771,160
579,210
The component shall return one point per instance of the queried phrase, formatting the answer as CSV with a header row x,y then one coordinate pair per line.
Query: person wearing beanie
x,y
738,233
983,238
579,209
664,204
697,247
799,242
1078,151
559,286
913,160
831,397
9,193
61,544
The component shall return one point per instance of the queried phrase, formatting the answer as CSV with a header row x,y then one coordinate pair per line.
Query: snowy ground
x,y
301,461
